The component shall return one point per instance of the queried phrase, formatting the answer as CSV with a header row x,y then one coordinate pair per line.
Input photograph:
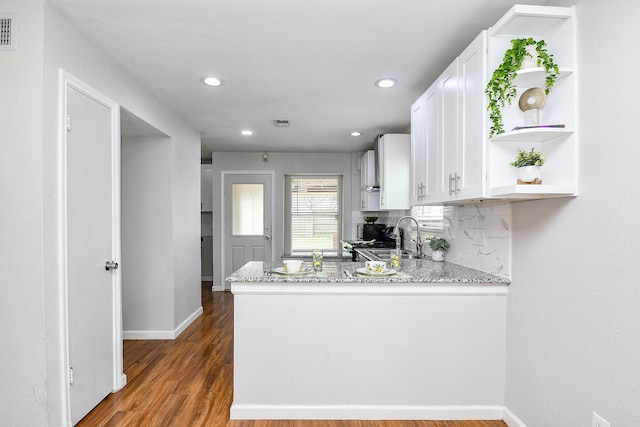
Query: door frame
x,y
67,81
223,176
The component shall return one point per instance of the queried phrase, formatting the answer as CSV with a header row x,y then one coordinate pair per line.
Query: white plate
x,y
281,270
366,272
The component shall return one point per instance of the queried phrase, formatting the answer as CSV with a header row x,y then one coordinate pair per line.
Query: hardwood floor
x,y
188,381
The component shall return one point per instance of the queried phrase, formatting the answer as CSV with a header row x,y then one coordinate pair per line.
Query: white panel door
x,y
247,220
90,244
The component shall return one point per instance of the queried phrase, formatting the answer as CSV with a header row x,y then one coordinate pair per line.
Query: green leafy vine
x,y
500,89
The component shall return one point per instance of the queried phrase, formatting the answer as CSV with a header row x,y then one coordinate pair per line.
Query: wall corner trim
x,y
163,335
511,420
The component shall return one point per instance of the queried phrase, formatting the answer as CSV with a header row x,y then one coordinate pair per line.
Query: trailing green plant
x,y
500,89
438,244
528,158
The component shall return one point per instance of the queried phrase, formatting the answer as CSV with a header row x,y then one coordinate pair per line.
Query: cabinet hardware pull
x,y
457,179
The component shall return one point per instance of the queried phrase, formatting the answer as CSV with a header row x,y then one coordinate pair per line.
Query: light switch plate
x,y
598,421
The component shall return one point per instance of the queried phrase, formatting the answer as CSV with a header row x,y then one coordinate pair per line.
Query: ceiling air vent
x,y
7,32
281,123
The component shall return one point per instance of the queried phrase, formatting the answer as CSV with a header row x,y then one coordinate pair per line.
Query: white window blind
x,y
314,218
429,217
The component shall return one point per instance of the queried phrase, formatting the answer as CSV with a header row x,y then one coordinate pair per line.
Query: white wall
x,y
185,198
147,255
573,327
283,164
23,394
48,42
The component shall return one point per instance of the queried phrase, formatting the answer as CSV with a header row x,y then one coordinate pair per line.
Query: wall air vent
x,y
7,32
281,123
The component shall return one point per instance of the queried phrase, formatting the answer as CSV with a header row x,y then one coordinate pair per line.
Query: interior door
x,y
90,225
247,220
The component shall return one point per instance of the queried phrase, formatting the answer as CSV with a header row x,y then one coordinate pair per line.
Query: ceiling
x,y
312,62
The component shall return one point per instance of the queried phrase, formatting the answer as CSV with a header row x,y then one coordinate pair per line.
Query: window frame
x,y
337,251
425,229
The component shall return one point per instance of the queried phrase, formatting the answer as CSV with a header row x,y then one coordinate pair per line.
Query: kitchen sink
x,y
375,254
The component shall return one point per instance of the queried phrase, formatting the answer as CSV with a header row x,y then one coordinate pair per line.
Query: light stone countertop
x,y
411,271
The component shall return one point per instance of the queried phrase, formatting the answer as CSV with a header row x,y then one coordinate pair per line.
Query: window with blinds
x,y
430,218
314,214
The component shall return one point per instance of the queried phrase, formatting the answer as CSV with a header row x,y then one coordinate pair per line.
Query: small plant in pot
x,y
439,246
500,89
528,164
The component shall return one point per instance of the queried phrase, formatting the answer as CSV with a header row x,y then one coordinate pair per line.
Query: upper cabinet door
x,y
419,162
461,138
424,147
472,77
448,132
394,152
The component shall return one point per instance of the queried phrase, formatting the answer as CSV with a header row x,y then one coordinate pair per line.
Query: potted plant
x,y
439,246
528,164
500,89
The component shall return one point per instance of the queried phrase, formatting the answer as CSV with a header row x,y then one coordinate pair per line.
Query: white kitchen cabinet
x,y
206,188
369,196
554,25
462,125
424,145
471,167
394,153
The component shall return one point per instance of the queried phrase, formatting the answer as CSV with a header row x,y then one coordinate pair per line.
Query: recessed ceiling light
x,y
246,132
386,82
355,134
212,81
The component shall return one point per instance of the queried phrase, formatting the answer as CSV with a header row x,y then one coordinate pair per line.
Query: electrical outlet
x,y
478,236
598,421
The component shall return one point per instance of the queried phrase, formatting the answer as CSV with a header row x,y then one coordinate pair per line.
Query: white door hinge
x,y
68,122
71,376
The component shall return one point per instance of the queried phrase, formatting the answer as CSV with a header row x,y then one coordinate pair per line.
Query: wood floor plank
x,y
189,381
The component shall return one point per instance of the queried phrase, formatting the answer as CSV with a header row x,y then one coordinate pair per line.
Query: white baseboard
x,y
206,279
219,288
511,420
163,335
364,412
122,381
189,320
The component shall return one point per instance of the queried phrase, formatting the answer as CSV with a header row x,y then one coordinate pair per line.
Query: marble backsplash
x,y
479,234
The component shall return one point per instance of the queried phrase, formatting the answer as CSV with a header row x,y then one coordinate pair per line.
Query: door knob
x,y
110,265
267,238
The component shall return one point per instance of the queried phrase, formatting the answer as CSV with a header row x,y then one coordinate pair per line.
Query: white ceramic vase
x,y
437,256
531,58
530,173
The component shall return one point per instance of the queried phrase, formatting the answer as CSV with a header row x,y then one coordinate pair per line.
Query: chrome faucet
x,y
418,240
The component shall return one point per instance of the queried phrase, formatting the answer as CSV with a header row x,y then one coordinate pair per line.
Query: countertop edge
x,y
400,289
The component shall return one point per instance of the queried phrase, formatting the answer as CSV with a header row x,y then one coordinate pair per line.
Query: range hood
x,y
370,179
376,143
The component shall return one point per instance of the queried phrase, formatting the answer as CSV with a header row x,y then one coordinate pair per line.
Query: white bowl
x,y
292,265
376,266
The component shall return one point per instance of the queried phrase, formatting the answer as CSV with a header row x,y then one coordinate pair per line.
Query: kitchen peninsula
x,y
427,343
